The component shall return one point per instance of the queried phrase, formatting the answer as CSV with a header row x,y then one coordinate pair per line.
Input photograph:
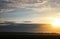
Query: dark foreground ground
x,y
19,31
25,35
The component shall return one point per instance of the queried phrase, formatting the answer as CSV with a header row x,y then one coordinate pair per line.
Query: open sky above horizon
x,y
37,11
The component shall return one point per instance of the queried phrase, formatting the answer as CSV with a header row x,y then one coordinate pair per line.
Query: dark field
x,y
25,35
27,31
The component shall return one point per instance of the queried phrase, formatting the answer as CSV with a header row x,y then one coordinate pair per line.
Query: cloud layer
x,y
29,9
8,5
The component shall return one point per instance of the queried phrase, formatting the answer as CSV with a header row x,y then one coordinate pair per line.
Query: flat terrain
x,y
26,31
26,35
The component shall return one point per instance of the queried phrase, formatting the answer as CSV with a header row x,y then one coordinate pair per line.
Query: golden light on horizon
x,y
56,22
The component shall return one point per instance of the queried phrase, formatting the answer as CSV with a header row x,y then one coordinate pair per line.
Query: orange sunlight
x,y
56,22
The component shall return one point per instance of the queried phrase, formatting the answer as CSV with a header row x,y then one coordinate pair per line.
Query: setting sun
x,y
56,22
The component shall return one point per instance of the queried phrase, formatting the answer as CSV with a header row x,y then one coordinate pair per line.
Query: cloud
x,y
3,19
49,7
37,5
8,5
30,9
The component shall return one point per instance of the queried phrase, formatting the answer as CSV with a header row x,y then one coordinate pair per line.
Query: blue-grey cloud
x,y
28,9
6,5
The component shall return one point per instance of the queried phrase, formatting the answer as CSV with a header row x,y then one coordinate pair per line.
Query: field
x,y
26,31
25,35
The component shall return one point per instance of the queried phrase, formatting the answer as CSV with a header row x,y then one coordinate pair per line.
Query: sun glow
x,y
56,22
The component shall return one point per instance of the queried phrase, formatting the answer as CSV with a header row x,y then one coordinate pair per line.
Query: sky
x,y
36,11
